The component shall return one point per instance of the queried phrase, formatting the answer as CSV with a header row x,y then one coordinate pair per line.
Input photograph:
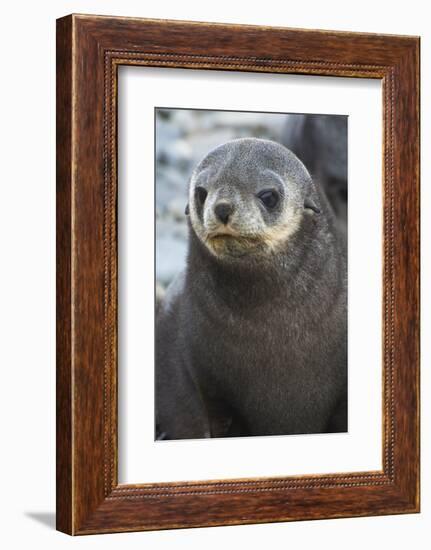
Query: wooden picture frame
x,y
89,51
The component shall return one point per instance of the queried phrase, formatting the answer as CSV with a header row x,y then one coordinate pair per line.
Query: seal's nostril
x,y
223,210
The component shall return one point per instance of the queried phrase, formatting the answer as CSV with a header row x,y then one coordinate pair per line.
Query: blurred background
x,y
185,136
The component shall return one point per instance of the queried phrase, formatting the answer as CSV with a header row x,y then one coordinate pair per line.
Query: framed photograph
x,y
237,274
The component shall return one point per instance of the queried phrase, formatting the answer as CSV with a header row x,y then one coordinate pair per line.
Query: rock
x,y
170,258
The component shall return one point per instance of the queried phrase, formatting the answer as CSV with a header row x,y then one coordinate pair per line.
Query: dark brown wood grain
x,y
89,51
64,287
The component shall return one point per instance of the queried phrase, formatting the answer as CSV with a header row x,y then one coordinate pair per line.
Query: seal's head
x,y
248,196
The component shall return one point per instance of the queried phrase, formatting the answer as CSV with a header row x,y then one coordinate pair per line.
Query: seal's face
x,y
247,197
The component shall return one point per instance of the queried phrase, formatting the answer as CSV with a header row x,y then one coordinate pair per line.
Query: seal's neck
x,y
277,272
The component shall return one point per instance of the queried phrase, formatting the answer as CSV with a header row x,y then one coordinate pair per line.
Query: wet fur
x,y
257,345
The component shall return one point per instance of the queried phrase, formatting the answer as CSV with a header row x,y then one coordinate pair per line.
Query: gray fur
x,y
320,141
252,338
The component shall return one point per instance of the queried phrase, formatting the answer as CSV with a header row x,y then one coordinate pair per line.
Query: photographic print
x,y
251,273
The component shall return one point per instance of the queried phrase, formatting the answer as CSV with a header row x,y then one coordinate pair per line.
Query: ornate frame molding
x,y
89,498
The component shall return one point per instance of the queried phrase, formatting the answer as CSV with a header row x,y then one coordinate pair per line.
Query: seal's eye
x,y
269,197
201,194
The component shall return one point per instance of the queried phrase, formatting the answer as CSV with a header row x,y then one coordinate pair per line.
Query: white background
x,y
141,458
27,233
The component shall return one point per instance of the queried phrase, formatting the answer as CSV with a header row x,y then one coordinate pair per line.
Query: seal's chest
x,y
253,336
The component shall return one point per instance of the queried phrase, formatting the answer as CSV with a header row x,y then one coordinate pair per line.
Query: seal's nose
x,y
223,211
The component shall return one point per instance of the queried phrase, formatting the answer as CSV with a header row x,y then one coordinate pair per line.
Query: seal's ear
x,y
186,211
310,205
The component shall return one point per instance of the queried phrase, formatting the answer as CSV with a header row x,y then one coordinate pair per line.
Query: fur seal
x,y
251,339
